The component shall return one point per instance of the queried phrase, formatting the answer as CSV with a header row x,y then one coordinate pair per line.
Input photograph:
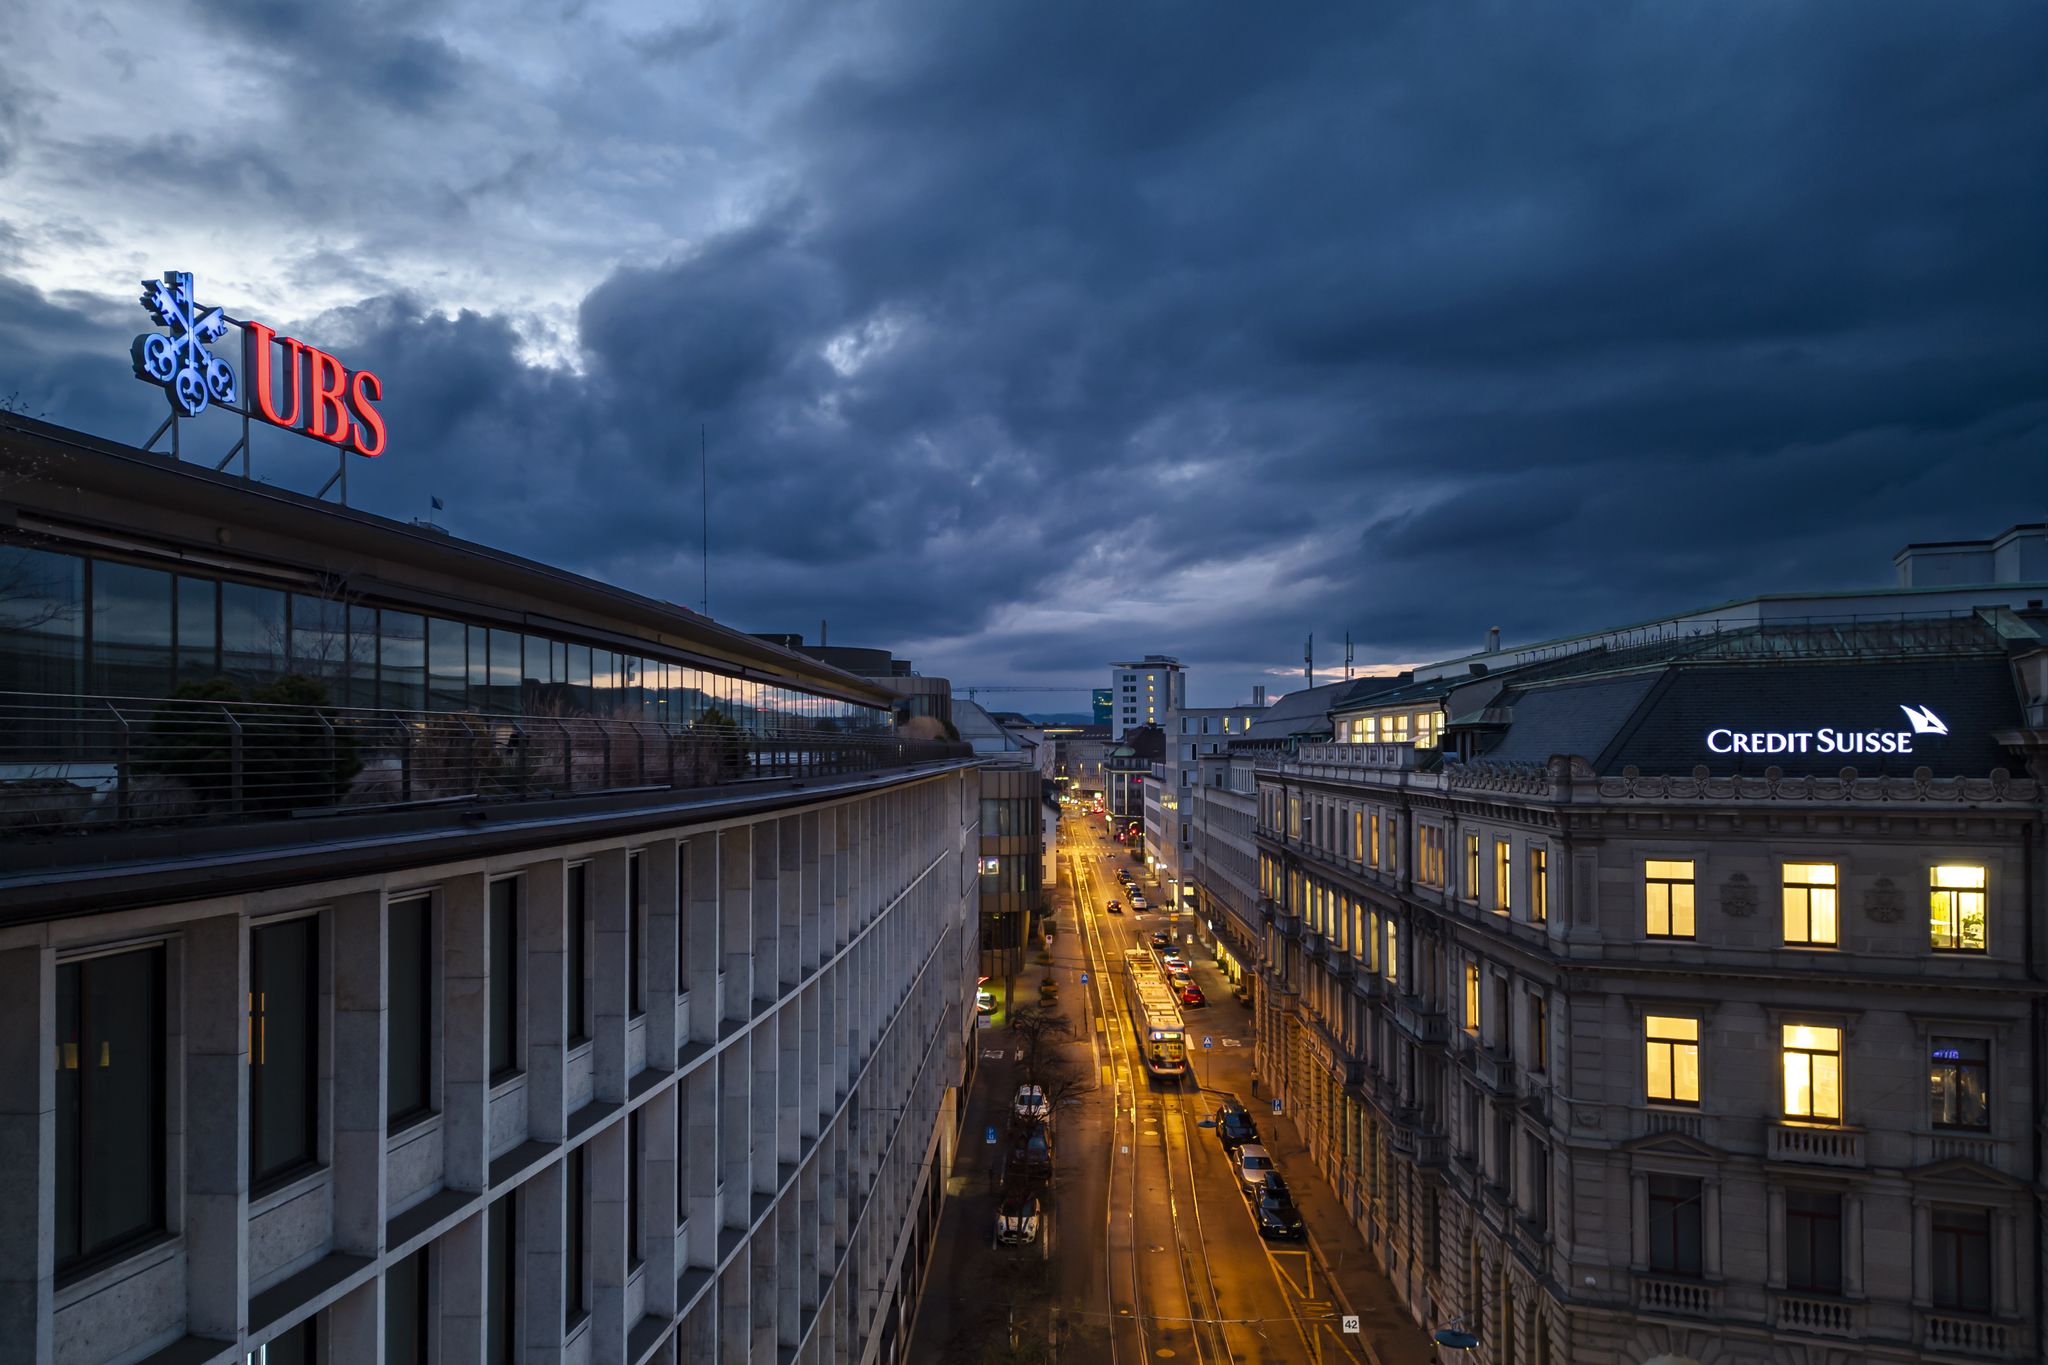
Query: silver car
x,y
1253,1166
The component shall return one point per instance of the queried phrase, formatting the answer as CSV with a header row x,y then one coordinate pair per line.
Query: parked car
x,y
1191,994
1160,938
1030,1102
984,1001
1253,1166
1031,1153
1017,1218
1138,901
1115,907
1278,1218
1235,1127
1172,958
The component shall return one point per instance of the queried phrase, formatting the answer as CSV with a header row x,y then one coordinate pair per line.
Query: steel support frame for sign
x,y
241,447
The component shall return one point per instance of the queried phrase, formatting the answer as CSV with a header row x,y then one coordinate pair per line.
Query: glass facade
x,y
74,625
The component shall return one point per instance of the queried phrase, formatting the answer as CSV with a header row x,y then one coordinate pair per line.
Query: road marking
x,y
992,1054
1229,1042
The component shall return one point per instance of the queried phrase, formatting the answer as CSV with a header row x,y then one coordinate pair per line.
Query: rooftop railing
x,y
81,763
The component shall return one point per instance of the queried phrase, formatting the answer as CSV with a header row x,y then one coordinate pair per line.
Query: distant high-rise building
x,y
1141,693
1105,704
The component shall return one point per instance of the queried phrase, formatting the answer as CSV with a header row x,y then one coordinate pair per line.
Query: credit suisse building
x,y
1622,1044
411,952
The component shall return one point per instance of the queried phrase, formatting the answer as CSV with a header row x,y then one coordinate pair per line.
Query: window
x,y
1503,1023
577,963
1956,916
1668,898
1503,876
1810,905
1472,867
1813,1242
1393,958
1539,1033
575,1214
110,1104
409,1024
1671,1067
682,919
1429,855
406,1340
1372,848
1537,1199
636,964
1472,998
284,1036
633,1255
1813,1073
1539,885
298,1345
501,1285
504,931
1959,1072
1358,836
1961,1257
1674,1214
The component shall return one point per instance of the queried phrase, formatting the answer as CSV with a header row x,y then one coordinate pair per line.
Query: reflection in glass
x,y
402,660
284,993
251,633
198,629
131,630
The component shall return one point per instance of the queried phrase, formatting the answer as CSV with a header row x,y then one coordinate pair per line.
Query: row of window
x,y
1958,918
1423,729
75,625
1811,1069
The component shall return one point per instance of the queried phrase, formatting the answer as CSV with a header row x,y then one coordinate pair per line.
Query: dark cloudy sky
x,y
1032,333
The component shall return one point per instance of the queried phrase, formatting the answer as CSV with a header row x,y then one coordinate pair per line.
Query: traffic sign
x,y
1276,1107
1207,1042
988,1135
1084,978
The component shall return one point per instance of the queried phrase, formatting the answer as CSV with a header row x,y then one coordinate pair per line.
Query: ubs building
x,y
409,951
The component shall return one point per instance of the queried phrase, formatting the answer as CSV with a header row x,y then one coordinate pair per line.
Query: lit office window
x,y
504,932
1813,1073
1472,998
1503,876
1392,960
1956,913
1810,905
1372,847
1472,867
110,1104
1671,1068
284,1057
1539,885
1668,898
409,1016
1958,1075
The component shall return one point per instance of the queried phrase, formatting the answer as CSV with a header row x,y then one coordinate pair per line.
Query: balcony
x,y
1821,1317
1343,760
91,763
1981,1148
1971,1336
1314,945
1430,1027
1677,1298
1813,1146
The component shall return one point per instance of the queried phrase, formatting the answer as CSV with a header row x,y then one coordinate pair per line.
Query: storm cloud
x,y
1025,336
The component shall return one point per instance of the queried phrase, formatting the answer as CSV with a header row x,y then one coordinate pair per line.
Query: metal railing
x,y
74,763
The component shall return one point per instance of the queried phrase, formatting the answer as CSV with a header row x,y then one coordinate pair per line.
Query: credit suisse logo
x,y
1830,741
293,385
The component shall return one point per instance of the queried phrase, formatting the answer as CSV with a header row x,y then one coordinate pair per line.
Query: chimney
x,y
1259,695
1493,640
822,623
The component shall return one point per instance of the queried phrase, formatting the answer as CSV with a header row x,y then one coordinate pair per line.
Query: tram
x,y
1155,1016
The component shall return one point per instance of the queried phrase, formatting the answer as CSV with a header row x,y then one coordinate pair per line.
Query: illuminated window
x,y
1956,915
1958,1076
1539,885
1671,1066
1372,848
1391,962
1810,904
1472,998
1429,855
1503,875
1366,729
1394,729
1667,896
1294,817
1429,729
1813,1073
1358,835
991,866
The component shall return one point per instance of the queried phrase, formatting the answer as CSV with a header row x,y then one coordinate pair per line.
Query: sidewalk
x,y
1390,1335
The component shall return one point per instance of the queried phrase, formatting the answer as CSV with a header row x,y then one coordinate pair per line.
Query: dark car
x,y
1115,907
1160,938
1278,1218
1234,1125
1031,1153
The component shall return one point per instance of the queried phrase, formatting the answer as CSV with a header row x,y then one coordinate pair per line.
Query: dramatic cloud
x,y
1025,336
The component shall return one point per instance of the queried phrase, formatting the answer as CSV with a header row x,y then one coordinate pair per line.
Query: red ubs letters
x,y
326,399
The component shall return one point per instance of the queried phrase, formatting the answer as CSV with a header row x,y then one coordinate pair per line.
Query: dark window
x,y
284,1037
1813,1241
198,629
633,1188
402,660
408,1079
447,666
1674,1225
1959,1072
110,1104
1538,1201
682,919
405,1312
1539,1033
299,1346
42,622
636,964
131,630
251,632
1962,1259
574,1215
682,1162
501,1285
577,960
504,931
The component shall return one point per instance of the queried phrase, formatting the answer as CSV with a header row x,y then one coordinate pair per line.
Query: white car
x,y
1017,1220
1031,1103
1171,959
1138,901
1253,1166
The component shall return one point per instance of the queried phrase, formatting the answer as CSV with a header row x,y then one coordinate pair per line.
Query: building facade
x,y
476,963
1144,691
1685,1001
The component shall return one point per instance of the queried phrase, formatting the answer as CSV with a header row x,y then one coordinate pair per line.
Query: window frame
x,y
1958,1065
1667,884
264,1178
1672,1045
1956,912
1946,1224
1814,1228
576,963
1805,891
504,1008
1683,1212
1504,877
1787,1051
86,1259
396,1119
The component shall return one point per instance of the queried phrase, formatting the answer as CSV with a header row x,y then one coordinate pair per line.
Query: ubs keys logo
x,y
191,375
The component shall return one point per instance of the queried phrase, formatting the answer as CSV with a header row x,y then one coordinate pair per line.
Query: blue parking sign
x,y
988,1135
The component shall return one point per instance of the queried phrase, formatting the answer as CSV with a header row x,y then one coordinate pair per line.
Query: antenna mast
x,y
704,506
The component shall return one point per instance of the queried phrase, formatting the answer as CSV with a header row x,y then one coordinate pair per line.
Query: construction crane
x,y
1013,687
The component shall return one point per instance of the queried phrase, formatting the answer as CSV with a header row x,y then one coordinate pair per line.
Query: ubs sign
x,y
1828,741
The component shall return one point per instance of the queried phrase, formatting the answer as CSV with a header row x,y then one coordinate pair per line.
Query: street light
x,y
1452,1337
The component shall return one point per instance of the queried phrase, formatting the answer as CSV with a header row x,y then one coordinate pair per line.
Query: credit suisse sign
x,y
1829,741
295,386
